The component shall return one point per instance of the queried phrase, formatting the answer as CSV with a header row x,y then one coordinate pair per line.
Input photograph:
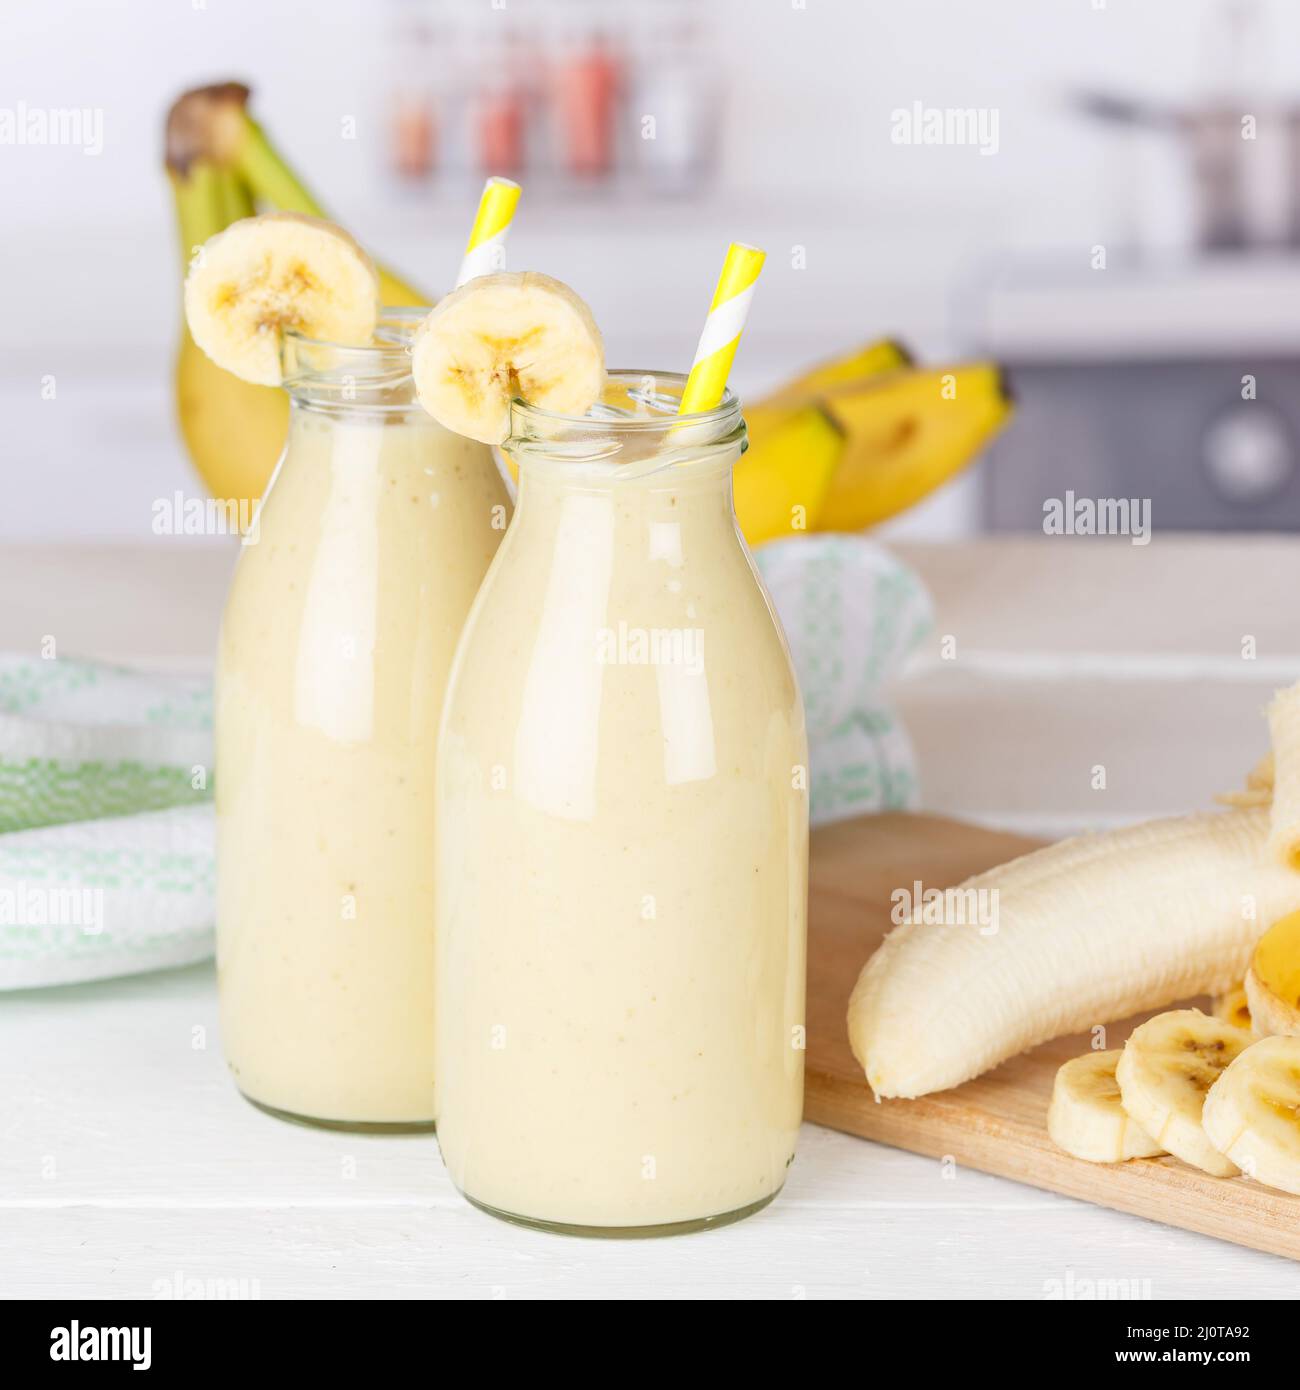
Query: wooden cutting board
x,y
998,1122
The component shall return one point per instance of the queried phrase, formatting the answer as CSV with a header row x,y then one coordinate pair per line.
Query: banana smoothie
x,y
334,651
622,833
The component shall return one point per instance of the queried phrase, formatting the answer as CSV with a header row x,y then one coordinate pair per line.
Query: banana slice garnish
x,y
505,337
264,275
1166,1071
1273,980
1086,1117
1252,1113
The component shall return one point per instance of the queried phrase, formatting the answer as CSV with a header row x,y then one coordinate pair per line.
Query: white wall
x,y
91,264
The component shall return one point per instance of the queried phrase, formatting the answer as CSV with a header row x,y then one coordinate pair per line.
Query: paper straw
x,y
722,329
484,252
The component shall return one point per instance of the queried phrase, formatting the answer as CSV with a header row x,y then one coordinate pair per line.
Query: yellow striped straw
x,y
485,250
722,329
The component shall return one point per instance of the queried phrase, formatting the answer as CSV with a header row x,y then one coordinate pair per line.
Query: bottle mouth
x,y
631,431
372,376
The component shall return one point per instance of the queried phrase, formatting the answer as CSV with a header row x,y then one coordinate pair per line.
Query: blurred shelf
x,y
1051,309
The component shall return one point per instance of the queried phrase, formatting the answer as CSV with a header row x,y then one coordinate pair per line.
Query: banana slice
x,y
1273,980
265,274
1232,1007
1252,1113
506,337
1086,1118
1168,1066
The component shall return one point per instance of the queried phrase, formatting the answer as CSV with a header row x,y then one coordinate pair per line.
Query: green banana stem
x,y
236,199
270,178
222,164
200,206
260,165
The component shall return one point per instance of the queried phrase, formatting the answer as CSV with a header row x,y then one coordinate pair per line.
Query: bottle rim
x,y
633,430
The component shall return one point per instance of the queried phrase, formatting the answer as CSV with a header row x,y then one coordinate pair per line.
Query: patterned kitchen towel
x,y
80,741
106,855
852,615
106,897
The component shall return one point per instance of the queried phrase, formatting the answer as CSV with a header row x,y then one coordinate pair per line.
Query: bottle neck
x,y
697,495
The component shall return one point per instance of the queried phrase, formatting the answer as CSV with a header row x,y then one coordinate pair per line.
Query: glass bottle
x,y
335,646
622,840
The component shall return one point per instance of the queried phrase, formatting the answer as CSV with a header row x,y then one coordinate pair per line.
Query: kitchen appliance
x,y
1176,381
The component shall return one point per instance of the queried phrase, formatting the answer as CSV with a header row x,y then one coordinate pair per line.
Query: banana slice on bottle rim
x,y
505,337
1086,1118
264,275
1252,1113
1167,1068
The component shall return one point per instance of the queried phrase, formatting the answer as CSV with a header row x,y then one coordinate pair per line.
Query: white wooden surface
x,y
129,1165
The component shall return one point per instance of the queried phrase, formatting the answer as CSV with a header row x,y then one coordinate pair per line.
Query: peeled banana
x,y
505,337
1089,930
1165,1072
1284,730
1086,1117
1252,1113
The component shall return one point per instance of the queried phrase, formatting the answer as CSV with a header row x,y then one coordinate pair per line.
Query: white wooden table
x,y
130,1167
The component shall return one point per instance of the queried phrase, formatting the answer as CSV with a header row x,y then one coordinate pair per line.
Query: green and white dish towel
x,y
852,614
106,830
107,860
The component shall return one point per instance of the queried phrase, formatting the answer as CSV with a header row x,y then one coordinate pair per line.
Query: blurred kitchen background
x,y
1115,241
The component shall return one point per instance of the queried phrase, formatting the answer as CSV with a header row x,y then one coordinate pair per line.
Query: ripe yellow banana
x,y
852,369
780,486
234,431
220,163
1085,931
903,432
908,433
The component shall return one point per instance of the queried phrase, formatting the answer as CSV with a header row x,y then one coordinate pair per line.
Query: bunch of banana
x,y
860,439
222,167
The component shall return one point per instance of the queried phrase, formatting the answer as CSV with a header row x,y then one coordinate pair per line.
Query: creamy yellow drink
x,y
334,652
622,843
